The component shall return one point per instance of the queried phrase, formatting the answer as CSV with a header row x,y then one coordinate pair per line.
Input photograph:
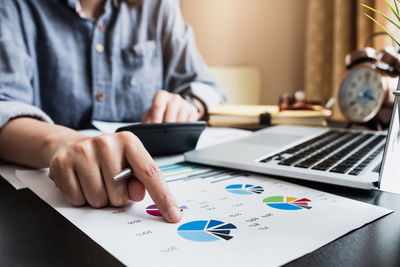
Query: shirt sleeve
x,y
184,68
17,70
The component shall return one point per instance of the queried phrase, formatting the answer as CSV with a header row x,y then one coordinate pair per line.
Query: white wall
x,y
267,34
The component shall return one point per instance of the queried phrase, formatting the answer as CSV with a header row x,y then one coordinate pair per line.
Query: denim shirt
x,y
58,65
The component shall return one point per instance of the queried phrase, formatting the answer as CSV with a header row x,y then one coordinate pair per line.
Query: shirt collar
x,y
75,4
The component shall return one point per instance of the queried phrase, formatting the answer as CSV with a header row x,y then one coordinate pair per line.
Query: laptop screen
x,y
389,174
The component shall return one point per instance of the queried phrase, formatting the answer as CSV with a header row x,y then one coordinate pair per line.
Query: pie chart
x,y
206,230
152,210
244,189
287,203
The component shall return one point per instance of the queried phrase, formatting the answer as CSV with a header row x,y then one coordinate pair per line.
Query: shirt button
x,y
101,97
132,81
100,26
99,48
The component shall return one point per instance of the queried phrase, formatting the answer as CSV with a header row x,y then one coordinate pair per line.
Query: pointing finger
x,y
150,175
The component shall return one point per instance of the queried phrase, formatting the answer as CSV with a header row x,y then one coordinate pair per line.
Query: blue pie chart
x,y
244,189
206,230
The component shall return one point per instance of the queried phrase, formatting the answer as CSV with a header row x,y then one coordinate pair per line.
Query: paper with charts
x,y
230,218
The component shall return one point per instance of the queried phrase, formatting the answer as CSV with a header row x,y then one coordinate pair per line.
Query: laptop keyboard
x,y
334,151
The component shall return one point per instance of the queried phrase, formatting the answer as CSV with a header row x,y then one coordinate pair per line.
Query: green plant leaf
x,y
397,2
383,28
391,8
383,15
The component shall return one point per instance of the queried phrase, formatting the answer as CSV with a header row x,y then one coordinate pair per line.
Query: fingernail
x,y
174,214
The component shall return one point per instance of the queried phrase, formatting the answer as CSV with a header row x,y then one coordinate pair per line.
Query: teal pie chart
x,y
206,231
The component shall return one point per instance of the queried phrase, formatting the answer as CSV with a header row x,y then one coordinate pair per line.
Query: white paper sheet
x,y
110,127
212,136
7,171
249,229
91,132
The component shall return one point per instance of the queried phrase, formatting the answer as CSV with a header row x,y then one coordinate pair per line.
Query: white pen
x,y
123,175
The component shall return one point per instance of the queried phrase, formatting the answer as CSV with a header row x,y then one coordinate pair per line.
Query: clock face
x,y
360,95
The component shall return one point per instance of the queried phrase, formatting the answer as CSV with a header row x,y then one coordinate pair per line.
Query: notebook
x,y
227,115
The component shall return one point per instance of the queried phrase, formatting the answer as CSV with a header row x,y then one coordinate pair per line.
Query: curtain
x,y
334,29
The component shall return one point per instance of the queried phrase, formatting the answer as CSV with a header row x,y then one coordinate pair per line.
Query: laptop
x,y
354,158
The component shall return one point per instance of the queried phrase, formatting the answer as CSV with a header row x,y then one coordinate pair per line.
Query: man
x,y
64,63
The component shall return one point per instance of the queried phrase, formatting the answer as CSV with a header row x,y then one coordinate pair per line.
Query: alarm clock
x,y
365,89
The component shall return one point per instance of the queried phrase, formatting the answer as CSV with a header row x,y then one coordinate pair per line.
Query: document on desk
x,y
230,218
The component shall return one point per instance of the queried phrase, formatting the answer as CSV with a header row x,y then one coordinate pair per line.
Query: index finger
x,y
150,175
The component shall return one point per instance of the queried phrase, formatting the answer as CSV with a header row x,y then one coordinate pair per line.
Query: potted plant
x,y
395,10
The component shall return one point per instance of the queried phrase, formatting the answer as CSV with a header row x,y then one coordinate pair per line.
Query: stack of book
x,y
245,115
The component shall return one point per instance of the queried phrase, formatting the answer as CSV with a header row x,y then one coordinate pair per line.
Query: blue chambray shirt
x,y
58,65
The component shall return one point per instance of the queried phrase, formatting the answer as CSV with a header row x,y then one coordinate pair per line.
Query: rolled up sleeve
x,y
17,70
12,109
184,68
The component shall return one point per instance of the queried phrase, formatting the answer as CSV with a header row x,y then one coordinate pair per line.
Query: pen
x,y
123,175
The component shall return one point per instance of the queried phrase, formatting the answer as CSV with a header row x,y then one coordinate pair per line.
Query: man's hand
x,y
84,174
169,107
83,167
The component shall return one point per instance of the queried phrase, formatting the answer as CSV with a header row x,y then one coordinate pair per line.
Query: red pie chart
x,y
153,210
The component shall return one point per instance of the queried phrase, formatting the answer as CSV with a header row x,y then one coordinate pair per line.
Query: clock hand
x,y
370,97
352,103
366,95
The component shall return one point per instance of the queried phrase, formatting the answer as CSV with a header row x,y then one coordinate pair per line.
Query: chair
x,y
242,84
